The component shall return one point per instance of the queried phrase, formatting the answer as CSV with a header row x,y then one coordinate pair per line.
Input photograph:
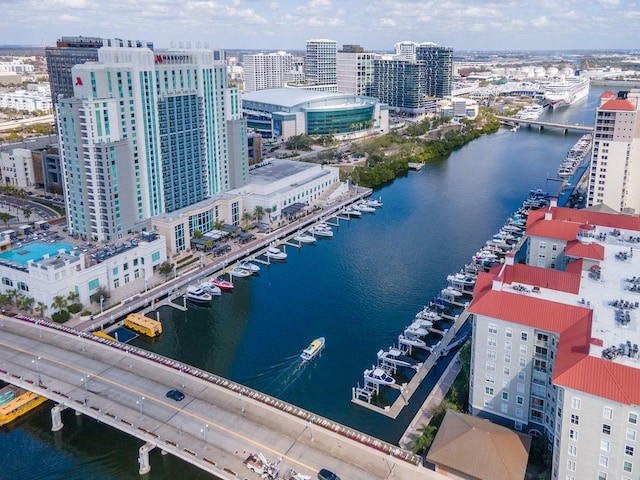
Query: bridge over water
x,y
214,428
542,124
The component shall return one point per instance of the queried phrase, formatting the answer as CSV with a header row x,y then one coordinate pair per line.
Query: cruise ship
x,y
532,112
566,91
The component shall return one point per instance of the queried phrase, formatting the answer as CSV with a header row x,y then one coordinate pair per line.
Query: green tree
x,y
5,217
73,297
26,303
246,218
197,234
26,211
165,268
101,291
258,212
59,303
41,308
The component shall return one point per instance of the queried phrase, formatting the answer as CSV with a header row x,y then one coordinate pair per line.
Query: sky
x,y
286,24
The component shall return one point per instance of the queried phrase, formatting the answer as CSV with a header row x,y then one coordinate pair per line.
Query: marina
x,y
370,278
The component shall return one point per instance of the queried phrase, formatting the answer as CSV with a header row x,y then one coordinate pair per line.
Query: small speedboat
x,y
222,284
274,253
461,279
378,376
252,267
314,348
196,294
240,272
416,330
210,288
395,357
450,292
305,238
428,315
364,207
320,231
411,340
351,212
372,202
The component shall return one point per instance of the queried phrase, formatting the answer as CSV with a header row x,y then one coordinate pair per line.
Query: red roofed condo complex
x,y
556,341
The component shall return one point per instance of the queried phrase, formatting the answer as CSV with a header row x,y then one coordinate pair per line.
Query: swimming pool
x,y
34,251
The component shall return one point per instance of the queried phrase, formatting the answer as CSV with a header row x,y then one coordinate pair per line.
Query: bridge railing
x,y
362,438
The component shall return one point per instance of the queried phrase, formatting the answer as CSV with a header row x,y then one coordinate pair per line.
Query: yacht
x,y
461,279
196,294
364,207
351,212
274,253
314,348
416,329
428,315
321,231
210,288
222,284
372,202
412,341
305,238
378,376
252,267
395,357
240,272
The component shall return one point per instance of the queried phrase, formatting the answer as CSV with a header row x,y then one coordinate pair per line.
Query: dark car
x,y
325,474
177,395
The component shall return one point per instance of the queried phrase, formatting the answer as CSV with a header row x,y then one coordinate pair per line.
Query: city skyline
x,y
286,25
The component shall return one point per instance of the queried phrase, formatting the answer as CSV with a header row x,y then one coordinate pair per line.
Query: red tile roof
x,y
542,277
618,104
574,266
593,251
607,94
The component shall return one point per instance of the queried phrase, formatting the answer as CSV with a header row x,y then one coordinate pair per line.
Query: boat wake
x,y
278,378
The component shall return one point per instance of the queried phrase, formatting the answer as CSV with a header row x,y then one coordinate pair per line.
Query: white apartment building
x,y
556,352
405,50
266,70
38,100
354,71
614,176
16,168
320,62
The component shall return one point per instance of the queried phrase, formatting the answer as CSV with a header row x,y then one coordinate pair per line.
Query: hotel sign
x,y
172,58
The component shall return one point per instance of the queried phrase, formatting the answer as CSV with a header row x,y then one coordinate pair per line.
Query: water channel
x,y
358,289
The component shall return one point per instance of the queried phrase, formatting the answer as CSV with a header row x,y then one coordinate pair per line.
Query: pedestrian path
x,y
435,398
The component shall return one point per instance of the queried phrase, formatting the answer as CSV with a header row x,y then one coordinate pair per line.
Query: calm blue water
x,y
35,251
358,289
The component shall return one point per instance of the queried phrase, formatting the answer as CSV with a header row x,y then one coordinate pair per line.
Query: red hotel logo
x,y
78,81
159,59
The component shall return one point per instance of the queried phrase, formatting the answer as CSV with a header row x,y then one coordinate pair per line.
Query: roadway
x,y
16,124
542,124
214,427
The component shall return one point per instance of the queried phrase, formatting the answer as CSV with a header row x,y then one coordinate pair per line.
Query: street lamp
x,y
204,433
85,380
146,282
241,402
101,303
37,369
139,402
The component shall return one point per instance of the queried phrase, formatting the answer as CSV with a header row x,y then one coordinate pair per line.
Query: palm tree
x,y
197,234
73,297
13,295
101,291
41,308
268,211
246,217
26,211
258,212
27,303
5,217
59,303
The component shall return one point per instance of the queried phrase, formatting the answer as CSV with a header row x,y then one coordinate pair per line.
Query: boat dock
x,y
416,166
409,389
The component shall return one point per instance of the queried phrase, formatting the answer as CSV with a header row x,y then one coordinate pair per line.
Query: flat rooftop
x,y
276,170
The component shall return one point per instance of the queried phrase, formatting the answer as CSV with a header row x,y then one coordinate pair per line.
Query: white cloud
x,y
384,22
274,6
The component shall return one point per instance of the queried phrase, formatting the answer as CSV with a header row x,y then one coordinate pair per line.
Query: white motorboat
x,y
196,294
314,348
210,288
351,212
428,315
240,272
252,267
320,231
274,253
422,323
461,279
450,292
413,341
416,330
378,376
395,357
305,238
364,207
372,202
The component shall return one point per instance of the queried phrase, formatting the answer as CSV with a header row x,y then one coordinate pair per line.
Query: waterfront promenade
x,y
214,428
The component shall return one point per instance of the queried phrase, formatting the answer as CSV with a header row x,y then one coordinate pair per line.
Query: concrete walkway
x,y
435,398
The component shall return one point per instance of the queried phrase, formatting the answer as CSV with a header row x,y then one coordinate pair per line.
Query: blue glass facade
x,y
325,122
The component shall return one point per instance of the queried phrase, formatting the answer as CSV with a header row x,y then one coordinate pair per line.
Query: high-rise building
x,y
555,352
614,175
410,81
320,63
354,70
145,133
266,70
71,51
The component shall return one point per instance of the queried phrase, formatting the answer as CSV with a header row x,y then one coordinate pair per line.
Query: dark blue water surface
x,y
358,290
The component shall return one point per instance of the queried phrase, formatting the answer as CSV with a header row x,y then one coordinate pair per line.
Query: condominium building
x,y
614,176
147,132
266,70
354,70
410,82
320,63
555,352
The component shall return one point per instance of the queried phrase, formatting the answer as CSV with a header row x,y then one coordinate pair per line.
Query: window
x,y
520,400
605,445
627,466
631,434
571,465
628,450
491,367
607,413
632,418
575,419
602,476
521,375
520,387
573,450
488,390
603,461
509,332
492,341
519,412
505,395
489,379
573,434
507,358
575,403
506,371
491,354
523,349
507,345
493,328
606,429
504,408
523,336
522,362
